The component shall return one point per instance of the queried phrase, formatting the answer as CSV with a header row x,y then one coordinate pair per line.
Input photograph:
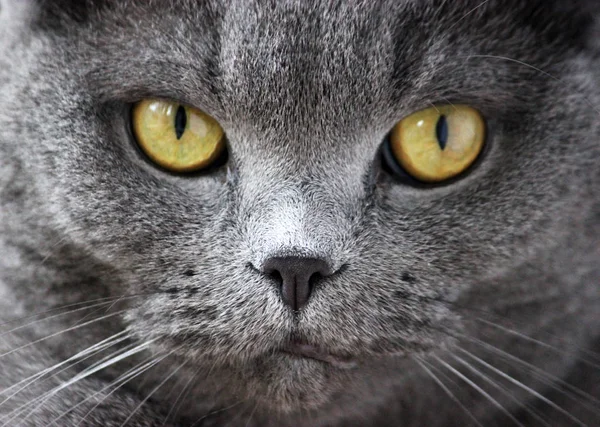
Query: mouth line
x,y
307,351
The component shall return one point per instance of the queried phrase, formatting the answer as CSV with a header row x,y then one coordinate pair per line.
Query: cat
x,y
314,271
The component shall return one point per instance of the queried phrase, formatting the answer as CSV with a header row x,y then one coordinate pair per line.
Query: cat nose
x,y
296,276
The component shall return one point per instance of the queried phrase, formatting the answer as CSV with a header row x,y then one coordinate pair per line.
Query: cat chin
x,y
296,386
275,383
287,383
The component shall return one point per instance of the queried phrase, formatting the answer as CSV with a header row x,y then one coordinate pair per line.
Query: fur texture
x,y
501,264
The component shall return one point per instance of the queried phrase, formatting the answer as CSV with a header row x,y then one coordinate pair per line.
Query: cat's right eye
x,y
177,137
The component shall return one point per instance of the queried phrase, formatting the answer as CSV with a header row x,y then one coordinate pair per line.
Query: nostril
x,y
314,279
276,276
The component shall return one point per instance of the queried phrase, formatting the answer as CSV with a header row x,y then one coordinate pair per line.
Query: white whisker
x,y
549,379
251,415
82,355
154,390
538,342
82,375
119,382
10,331
480,390
516,61
177,402
87,304
504,390
524,387
467,14
423,364
52,250
62,332
216,411
51,310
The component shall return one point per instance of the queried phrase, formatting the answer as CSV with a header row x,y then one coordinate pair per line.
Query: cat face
x,y
307,93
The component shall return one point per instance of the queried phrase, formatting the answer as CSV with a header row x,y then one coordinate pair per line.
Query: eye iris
x,y
176,137
441,131
438,143
180,122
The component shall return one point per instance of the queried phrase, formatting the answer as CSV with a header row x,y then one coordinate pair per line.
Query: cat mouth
x,y
308,351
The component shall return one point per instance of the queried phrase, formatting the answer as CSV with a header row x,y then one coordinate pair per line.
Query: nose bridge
x,y
300,218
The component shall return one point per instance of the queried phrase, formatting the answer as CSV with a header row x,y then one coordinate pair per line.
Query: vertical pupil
x,y
441,131
180,121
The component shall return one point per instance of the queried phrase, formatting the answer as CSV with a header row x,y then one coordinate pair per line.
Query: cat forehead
x,y
262,42
278,63
273,59
304,59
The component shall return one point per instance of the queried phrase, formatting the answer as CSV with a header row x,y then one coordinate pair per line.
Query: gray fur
x,y
306,92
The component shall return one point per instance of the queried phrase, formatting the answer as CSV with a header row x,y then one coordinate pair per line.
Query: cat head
x,y
307,236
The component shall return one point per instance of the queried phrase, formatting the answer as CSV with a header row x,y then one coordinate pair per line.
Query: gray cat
x,y
313,213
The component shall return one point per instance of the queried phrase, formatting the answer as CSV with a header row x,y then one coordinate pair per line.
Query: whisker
x,y
547,378
179,401
121,298
87,316
251,415
112,304
79,304
516,61
82,375
524,387
441,374
10,331
52,251
504,390
480,390
82,355
455,305
538,342
163,382
424,365
51,310
217,411
467,14
119,382
62,332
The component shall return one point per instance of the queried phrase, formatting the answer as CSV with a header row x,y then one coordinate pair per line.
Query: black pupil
x,y
441,131
180,122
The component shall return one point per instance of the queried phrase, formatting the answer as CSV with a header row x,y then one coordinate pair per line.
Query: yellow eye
x,y
177,137
438,143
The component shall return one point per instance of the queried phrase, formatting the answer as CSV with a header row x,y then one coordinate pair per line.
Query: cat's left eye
x,y
438,143
177,137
